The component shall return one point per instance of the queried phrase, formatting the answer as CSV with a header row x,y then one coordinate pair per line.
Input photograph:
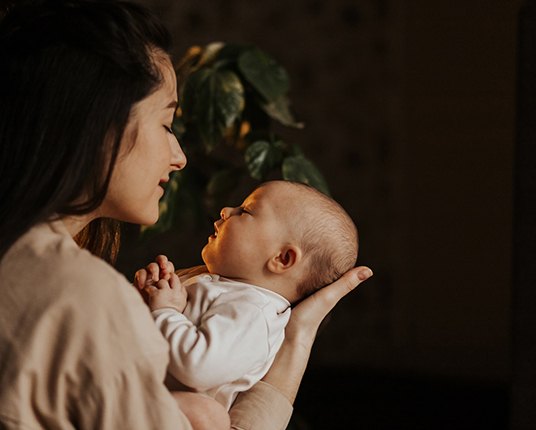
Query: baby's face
x,y
245,237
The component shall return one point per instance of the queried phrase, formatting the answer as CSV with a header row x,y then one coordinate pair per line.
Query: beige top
x,y
79,349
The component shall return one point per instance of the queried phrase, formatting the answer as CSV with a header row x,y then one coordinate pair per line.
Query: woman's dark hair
x,y
70,72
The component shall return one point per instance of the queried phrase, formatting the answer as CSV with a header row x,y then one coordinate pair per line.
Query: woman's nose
x,y
178,159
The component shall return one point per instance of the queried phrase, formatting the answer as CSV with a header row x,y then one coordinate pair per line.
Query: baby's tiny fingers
x,y
171,267
174,281
154,271
139,278
162,261
163,264
150,290
162,284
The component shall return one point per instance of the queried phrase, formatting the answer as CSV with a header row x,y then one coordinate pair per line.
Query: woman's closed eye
x,y
169,129
244,211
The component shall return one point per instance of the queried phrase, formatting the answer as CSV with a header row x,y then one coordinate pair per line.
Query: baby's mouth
x,y
215,230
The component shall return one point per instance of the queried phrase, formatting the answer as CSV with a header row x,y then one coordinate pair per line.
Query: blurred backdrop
x,y
409,111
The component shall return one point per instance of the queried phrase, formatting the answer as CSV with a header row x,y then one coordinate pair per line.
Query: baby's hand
x,y
167,294
162,268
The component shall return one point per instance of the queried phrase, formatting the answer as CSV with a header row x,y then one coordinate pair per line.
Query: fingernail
x,y
364,274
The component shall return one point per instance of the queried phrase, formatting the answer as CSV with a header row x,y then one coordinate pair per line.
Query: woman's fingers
x,y
309,313
330,295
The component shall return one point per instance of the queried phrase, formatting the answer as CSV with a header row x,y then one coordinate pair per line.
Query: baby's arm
x,y
160,286
229,341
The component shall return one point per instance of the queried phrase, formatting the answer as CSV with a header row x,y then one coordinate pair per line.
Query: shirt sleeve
x,y
230,340
262,407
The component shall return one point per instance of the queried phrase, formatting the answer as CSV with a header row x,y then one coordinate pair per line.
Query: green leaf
x,y
209,53
230,52
220,186
178,126
279,110
261,157
222,182
213,99
264,74
296,150
300,169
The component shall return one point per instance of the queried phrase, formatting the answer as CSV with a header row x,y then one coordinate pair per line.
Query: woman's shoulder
x,y
60,304
48,252
46,273
47,262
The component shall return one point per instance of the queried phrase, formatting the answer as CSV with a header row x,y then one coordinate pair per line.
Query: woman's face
x,y
149,153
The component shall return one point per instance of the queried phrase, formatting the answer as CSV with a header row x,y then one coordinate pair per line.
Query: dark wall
x,y
409,111
523,414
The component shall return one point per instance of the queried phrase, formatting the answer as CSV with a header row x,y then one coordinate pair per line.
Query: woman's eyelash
x,y
169,130
244,211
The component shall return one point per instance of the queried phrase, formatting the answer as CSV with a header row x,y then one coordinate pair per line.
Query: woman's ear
x,y
287,257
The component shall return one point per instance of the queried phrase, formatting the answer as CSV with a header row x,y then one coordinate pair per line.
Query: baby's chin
x,y
215,265
209,264
216,270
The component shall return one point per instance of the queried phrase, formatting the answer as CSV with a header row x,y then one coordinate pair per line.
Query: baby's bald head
x,y
323,230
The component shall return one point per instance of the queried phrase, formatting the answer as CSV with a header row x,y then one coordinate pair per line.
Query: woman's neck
x,y
76,223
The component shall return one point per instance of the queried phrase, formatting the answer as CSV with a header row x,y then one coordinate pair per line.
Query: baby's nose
x,y
227,212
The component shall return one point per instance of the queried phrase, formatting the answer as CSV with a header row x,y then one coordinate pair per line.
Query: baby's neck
x,y
277,284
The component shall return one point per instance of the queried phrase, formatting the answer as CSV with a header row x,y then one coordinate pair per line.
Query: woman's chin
x,y
144,219
151,221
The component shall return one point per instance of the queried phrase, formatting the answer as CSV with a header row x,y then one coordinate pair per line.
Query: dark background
x,y
410,111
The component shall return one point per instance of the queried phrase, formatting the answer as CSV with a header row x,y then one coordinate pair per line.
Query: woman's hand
x,y
291,360
309,313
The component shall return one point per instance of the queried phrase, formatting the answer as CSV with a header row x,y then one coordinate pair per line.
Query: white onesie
x,y
227,337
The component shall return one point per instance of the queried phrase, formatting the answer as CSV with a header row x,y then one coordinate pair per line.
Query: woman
x,y
87,96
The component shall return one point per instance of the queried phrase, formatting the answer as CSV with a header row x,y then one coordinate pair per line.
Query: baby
x,y
225,325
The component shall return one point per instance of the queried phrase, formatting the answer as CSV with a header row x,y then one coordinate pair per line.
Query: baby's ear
x,y
287,257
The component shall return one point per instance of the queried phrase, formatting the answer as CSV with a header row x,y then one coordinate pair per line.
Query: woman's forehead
x,y
163,97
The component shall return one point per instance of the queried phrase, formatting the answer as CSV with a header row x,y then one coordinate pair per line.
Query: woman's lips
x,y
162,184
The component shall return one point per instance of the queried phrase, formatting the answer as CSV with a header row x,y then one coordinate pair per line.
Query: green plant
x,y
231,99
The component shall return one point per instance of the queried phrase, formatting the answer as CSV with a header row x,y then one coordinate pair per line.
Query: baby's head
x,y
286,237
